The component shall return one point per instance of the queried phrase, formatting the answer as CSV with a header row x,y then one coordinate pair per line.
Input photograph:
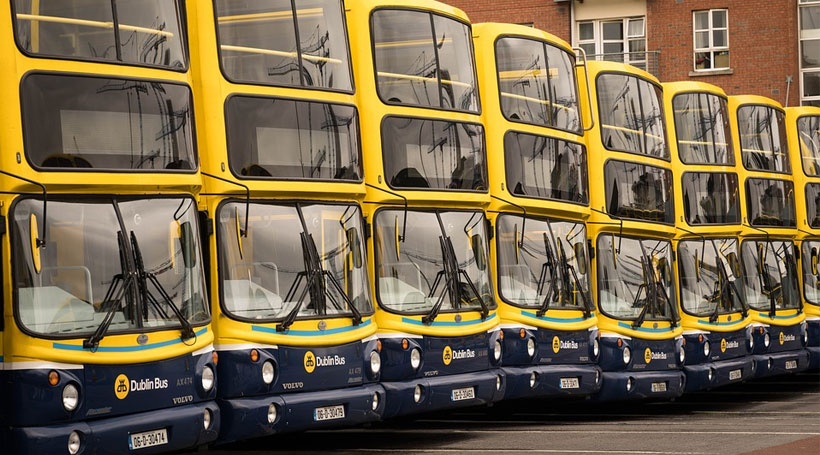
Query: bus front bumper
x,y
723,372
551,380
183,425
644,384
248,417
444,392
814,357
777,363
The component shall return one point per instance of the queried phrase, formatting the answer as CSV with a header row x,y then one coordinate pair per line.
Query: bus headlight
x,y
627,355
415,358
707,348
751,342
498,382
272,411
681,355
375,403
497,350
267,372
530,347
375,362
417,393
805,335
206,418
766,340
207,379
596,349
74,443
71,397
630,382
533,379
711,374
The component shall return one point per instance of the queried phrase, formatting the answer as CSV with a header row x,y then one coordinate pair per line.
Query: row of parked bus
x,y
229,219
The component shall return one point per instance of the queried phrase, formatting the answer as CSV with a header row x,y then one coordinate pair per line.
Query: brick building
x,y
762,47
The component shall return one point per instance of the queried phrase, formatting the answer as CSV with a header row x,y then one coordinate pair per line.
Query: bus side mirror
x,y
614,253
697,266
580,257
477,244
517,245
35,246
238,233
187,241
734,264
814,261
760,249
355,247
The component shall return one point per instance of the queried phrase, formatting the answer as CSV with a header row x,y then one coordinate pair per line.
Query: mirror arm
x,y
41,242
247,197
404,222
620,224
523,217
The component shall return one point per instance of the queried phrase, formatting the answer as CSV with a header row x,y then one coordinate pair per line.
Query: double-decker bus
x,y
714,314
107,345
539,187
426,176
630,228
283,176
768,255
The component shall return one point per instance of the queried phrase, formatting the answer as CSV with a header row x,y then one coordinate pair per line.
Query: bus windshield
x,y
424,59
770,202
635,279
273,138
808,131
433,154
430,261
143,32
543,263
639,191
304,259
763,138
811,271
710,276
710,198
536,81
631,114
702,129
770,275
135,259
543,167
84,123
284,42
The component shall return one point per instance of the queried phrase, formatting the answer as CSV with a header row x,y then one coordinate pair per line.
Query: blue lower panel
x,y
437,392
548,380
614,384
776,363
697,376
184,426
814,357
244,418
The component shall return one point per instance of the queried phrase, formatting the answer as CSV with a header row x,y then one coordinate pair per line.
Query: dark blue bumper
x,y
437,392
723,372
614,385
245,418
548,380
778,363
184,426
814,357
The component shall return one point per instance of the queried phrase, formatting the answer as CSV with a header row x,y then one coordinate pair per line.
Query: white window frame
x,y
598,38
711,49
812,35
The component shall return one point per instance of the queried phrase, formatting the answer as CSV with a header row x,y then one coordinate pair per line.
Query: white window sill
x,y
720,72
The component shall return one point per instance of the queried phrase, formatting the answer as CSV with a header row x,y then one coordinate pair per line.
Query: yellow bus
x,y
106,340
425,168
714,314
768,254
803,134
631,227
539,187
283,176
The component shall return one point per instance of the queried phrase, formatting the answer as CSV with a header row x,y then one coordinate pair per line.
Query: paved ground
x,y
776,416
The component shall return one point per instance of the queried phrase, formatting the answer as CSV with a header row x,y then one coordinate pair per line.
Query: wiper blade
x,y
114,303
547,266
645,287
568,271
450,274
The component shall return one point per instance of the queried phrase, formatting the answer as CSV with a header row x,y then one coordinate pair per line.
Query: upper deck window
x,y
272,138
702,128
763,139
142,32
631,115
284,42
639,191
101,123
813,204
710,198
424,59
537,83
543,167
808,130
770,202
433,154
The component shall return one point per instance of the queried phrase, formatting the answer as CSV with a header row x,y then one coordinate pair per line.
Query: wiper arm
x,y
448,273
549,265
114,302
645,287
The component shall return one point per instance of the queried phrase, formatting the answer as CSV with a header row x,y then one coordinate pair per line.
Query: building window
x,y
617,40
810,52
711,39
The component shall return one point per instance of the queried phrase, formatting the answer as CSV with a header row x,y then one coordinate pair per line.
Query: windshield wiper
x,y
567,271
727,290
452,274
654,292
114,303
547,266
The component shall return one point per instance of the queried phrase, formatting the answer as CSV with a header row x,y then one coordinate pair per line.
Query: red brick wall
x,y
544,14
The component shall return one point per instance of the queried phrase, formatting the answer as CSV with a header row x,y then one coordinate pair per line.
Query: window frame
x,y
598,40
667,172
787,160
813,36
730,153
728,175
711,49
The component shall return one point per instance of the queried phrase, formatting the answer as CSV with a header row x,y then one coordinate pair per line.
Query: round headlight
x,y
707,348
711,374
206,418
267,372
375,403
498,382
770,363
71,397
73,443
629,384
207,379
682,355
805,335
627,355
766,339
597,375
497,350
415,358
272,411
751,343
417,393
596,349
375,362
533,378
530,347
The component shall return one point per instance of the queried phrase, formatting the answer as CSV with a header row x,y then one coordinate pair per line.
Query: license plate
x,y
791,364
569,383
735,374
658,387
148,439
467,393
329,413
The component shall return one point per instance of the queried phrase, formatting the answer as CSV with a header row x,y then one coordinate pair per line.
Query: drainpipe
x,y
788,86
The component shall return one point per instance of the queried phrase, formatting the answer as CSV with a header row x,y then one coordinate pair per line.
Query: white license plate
x,y
735,374
569,383
467,393
148,439
791,364
329,413
658,387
